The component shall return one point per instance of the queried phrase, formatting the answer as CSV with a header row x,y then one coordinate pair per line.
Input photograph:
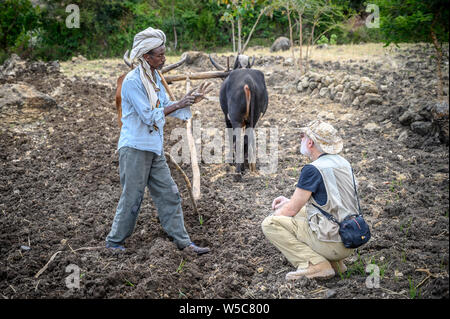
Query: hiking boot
x,y
115,246
339,266
196,249
322,270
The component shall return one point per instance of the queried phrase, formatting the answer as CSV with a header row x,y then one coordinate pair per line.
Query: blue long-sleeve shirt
x,y
138,118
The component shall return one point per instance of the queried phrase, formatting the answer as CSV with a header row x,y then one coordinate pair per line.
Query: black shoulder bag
x,y
353,230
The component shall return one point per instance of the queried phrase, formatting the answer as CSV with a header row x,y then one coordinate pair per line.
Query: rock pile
x,y
18,97
350,90
21,96
15,67
427,119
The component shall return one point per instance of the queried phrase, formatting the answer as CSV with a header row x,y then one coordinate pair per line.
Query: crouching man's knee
x,y
267,225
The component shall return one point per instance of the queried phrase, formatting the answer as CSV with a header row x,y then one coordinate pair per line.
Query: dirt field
x,y
59,182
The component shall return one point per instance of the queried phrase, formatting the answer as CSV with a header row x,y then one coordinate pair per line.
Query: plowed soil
x,y
59,181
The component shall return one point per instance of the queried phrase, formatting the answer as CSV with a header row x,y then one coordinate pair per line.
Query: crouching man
x,y
297,227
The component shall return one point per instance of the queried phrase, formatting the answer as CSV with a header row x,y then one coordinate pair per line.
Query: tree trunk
x,y
438,48
239,34
174,29
290,35
309,46
253,29
301,43
234,40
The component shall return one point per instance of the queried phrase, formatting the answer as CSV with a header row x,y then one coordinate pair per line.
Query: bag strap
x,y
327,215
331,217
356,193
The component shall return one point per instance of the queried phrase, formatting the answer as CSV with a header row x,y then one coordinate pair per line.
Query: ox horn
x,y
216,65
126,59
174,65
250,65
236,62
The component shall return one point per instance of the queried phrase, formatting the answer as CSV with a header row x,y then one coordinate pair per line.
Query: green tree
x,y
416,21
17,19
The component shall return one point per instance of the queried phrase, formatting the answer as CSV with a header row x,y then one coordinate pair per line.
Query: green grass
x,y
358,267
414,292
181,265
181,294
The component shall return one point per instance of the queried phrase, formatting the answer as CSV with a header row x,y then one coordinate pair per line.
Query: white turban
x,y
143,42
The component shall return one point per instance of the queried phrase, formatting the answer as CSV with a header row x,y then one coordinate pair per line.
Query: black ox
x,y
243,99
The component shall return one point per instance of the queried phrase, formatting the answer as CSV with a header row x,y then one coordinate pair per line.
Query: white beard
x,y
303,149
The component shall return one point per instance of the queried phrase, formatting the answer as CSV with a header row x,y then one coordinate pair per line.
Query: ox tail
x,y
248,99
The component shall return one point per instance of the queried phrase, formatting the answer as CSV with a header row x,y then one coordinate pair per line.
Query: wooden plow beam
x,y
196,76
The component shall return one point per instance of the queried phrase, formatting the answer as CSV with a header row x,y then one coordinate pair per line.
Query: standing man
x,y
141,157
298,228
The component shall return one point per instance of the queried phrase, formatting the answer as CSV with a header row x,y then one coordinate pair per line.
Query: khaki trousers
x,y
298,243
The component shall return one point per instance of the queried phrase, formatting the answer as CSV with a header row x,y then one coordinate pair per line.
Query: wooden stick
x,y
193,151
89,248
186,179
47,264
197,76
166,86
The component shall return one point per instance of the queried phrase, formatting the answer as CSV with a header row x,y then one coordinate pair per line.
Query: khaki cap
x,y
324,135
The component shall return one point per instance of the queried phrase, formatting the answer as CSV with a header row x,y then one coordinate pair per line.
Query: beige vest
x,y
341,199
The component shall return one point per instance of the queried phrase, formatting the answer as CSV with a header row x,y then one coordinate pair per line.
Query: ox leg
x,y
229,150
239,136
251,148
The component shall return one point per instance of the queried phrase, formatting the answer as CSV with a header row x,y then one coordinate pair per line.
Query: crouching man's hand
x,y
278,202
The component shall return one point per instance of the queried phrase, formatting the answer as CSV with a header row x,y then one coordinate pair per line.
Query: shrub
x,y
323,40
333,39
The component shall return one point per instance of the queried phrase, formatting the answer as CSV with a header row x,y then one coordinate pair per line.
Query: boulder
x,y
403,137
323,92
355,102
368,86
24,97
370,99
372,127
312,85
197,58
347,97
302,85
339,88
288,62
280,44
12,66
422,128
316,77
327,80
440,113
